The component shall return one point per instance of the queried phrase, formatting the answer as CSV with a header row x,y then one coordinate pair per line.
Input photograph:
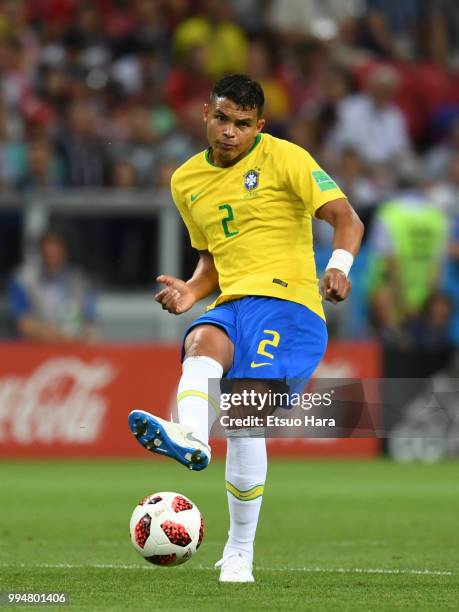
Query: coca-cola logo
x,y
335,368
58,402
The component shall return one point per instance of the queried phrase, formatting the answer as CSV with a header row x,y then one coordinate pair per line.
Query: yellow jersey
x,y
255,218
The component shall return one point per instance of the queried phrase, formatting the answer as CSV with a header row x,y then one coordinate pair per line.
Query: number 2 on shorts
x,y
274,341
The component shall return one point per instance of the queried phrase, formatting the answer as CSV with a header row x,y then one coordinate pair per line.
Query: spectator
x,y
52,301
315,18
11,149
443,31
250,13
13,22
188,81
52,12
135,72
163,119
391,27
261,64
451,280
305,133
110,92
42,166
188,139
370,123
335,84
82,150
124,175
454,247
224,42
358,183
423,343
446,193
431,328
428,341
86,36
437,160
149,29
14,78
310,59
176,11
164,175
55,87
139,145
362,188
409,239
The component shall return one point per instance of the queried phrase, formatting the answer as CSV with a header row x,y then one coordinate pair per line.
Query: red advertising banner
x,y
73,401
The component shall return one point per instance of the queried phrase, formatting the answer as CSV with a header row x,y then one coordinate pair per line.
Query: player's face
x,y
231,131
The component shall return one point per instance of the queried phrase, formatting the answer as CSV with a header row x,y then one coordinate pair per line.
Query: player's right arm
x,y
179,296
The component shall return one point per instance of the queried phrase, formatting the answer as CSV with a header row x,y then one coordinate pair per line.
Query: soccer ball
x,y
166,528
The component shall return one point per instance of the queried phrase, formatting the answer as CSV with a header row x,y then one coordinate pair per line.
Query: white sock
x,y
246,466
198,401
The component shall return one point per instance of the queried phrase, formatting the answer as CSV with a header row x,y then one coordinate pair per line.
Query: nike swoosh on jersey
x,y
196,196
257,365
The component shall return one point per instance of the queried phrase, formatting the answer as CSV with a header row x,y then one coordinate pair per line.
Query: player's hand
x,y
335,287
176,297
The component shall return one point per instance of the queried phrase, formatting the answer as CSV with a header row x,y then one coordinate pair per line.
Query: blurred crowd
x,y
110,92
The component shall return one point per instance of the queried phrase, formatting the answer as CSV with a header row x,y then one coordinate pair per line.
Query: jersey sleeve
x,y
308,181
197,238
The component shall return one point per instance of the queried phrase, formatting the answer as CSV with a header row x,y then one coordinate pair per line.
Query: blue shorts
x,y
272,338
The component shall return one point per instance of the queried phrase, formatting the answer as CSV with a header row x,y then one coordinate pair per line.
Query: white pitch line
x,y
328,570
360,570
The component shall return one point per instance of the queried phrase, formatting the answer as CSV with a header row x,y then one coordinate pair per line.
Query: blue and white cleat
x,y
169,439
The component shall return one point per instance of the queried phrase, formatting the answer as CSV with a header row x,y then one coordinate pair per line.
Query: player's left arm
x,y
347,237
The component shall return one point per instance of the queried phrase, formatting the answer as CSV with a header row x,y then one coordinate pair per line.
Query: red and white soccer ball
x,y
166,528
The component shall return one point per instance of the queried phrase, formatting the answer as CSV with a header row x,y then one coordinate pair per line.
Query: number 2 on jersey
x,y
228,219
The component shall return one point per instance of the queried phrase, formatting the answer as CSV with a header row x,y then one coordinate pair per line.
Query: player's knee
x,y
210,341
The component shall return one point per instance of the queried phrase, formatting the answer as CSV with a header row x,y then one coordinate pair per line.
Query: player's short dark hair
x,y
242,90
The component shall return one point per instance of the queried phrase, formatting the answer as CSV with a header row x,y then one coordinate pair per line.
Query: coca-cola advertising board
x,y
74,401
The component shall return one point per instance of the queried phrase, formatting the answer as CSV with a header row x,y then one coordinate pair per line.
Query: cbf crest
x,y
251,180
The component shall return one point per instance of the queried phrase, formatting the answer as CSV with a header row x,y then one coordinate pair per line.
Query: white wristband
x,y
341,260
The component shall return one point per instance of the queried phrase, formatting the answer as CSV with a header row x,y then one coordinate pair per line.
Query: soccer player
x,y
247,202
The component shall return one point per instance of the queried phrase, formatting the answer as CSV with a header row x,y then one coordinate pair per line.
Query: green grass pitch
x,y
334,536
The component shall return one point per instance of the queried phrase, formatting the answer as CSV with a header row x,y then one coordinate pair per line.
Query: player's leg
x,y
246,458
208,351
290,340
246,466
